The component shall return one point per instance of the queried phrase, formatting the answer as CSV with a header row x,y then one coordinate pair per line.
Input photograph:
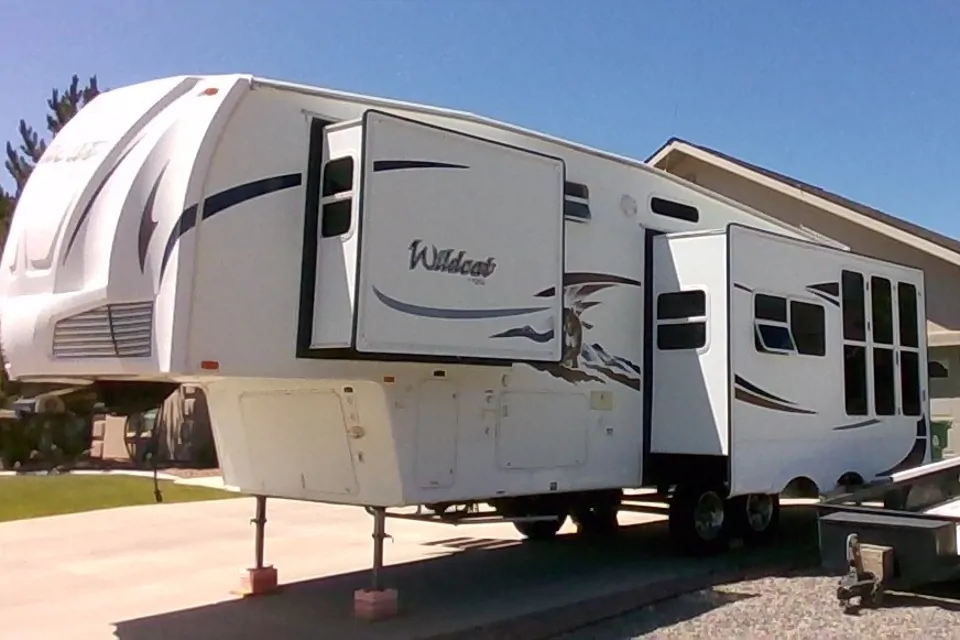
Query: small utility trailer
x,y
900,532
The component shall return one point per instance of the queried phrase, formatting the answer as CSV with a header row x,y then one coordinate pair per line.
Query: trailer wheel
x,y
755,517
698,520
539,530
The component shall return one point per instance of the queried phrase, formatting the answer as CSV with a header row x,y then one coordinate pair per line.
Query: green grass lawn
x,y
36,496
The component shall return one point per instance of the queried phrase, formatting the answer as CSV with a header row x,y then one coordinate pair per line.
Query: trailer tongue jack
x,y
858,583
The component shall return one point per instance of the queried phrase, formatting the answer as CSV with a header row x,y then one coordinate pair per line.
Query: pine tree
x,y
21,159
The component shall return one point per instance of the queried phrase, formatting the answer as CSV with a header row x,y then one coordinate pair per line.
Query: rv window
x,y
766,307
576,203
684,335
910,382
881,305
676,210
774,337
576,190
854,322
338,176
682,304
808,326
335,218
855,379
884,398
907,295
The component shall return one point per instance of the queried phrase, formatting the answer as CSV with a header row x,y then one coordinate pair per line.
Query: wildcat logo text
x,y
454,261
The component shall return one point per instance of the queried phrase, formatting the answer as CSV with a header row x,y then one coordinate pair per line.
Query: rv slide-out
x,y
389,304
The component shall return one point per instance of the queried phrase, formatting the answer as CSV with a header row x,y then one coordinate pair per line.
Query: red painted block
x,y
256,582
375,605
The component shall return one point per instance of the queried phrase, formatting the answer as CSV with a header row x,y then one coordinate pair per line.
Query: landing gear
x,y
698,520
755,517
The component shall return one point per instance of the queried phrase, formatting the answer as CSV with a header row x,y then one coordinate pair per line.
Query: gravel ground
x,y
803,606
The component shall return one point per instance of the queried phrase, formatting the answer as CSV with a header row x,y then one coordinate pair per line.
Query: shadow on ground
x,y
550,587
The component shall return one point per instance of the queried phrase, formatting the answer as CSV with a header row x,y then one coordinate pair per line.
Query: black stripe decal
x,y
745,396
742,287
400,165
757,390
829,288
96,194
857,425
826,298
222,201
147,222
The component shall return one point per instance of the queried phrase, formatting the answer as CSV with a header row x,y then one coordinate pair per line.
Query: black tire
x,y
539,530
753,522
690,539
597,521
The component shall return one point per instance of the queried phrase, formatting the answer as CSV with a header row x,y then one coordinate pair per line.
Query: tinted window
x,y
576,190
881,303
338,176
677,210
854,324
883,382
910,382
686,335
855,379
808,326
907,294
770,307
574,209
335,219
682,304
775,336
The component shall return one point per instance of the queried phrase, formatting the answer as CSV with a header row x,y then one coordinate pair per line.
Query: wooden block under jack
x,y
878,560
371,604
258,581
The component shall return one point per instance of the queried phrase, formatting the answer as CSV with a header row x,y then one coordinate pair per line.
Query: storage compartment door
x,y
461,246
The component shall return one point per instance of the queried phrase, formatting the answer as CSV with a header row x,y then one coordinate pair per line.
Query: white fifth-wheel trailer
x,y
393,305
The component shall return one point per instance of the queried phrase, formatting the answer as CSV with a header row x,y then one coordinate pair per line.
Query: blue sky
x,y
857,97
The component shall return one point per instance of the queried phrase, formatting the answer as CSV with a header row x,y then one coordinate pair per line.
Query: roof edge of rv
x,y
387,103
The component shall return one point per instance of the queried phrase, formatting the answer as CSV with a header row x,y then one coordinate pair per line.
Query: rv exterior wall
x,y
814,395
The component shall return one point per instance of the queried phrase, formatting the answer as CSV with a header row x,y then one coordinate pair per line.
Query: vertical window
x,y
854,321
808,324
855,379
884,387
909,343
336,199
853,312
682,320
881,332
881,306
909,331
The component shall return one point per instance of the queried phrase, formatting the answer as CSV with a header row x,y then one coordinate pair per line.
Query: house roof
x,y
949,249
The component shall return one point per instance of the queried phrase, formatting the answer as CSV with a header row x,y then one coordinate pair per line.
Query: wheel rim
x,y
759,511
708,516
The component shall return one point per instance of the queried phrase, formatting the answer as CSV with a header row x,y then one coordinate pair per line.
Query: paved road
x,y
165,571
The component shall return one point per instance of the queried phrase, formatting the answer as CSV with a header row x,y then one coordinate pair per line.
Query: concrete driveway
x,y
166,571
